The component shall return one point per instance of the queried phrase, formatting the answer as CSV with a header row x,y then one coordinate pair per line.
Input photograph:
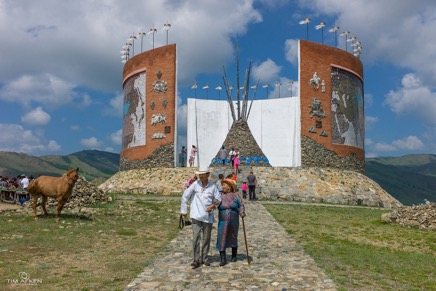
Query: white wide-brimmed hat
x,y
202,170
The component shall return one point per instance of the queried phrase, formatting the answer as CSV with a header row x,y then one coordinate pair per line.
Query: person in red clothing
x,y
236,163
244,190
190,181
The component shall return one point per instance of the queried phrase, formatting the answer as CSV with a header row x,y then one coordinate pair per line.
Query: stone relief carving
x,y
159,85
158,118
158,135
312,130
323,86
165,103
152,105
316,109
324,133
314,81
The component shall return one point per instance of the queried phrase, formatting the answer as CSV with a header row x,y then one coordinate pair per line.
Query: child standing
x,y
244,190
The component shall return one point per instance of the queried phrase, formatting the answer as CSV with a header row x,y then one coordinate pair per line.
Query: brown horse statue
x,y
54,187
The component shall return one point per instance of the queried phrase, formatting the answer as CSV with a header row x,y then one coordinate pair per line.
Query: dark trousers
x,y
252,192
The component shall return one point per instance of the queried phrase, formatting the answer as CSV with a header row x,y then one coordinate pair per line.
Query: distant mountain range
x,y
409,178
92,164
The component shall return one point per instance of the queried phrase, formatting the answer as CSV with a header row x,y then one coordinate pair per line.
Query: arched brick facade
x,y
331,135
149,119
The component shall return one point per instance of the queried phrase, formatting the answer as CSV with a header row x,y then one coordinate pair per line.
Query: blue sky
x,y
60,66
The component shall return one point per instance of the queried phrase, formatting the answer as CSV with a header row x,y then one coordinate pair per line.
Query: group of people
x,y
204,197
233,155
192,155
20,182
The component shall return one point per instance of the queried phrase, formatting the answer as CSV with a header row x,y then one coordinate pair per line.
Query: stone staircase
x,y
244,171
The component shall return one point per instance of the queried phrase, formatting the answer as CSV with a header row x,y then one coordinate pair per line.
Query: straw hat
x,y
230,183
202,170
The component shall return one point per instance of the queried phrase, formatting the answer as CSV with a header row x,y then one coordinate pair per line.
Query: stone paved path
x,y
277,262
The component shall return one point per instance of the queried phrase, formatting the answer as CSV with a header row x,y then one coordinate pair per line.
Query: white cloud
x,y
117,137
109,149
369,99
15,138
45,89
398,31
291,51
92,143
383,147
413,99
81,41
370,121
75,127
410,143
36,117
115,106
368,141
53,146
267,71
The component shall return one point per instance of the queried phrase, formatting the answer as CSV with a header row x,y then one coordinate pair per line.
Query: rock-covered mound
x,y
274,183
422,216
84,194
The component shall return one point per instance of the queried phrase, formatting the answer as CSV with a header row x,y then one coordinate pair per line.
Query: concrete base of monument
x,y
320,185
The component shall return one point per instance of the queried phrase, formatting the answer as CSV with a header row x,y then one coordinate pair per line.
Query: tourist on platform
x,y
194,151
232,155
184,155
230,208
252,182
244,189
236,164
204,197
223,155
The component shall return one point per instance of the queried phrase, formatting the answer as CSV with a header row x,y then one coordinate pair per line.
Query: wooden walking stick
x,y
246,245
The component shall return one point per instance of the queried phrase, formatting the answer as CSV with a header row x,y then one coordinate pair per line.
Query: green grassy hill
x,y
409,178
92,163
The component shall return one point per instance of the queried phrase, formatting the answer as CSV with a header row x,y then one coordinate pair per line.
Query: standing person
x,y
194,151
223,155
204,197
219,184
184,154
24,182
232,155
230,208
252,182
244,189
190,181
236,164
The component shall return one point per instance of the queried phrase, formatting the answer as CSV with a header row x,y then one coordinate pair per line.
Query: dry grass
x,y
102,252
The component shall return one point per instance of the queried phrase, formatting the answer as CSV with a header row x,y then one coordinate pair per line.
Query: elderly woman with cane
x,y
230,208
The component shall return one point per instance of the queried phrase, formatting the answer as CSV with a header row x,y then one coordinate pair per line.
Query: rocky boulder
x,y
422,216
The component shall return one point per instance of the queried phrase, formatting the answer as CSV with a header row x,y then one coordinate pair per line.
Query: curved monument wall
x,y
332,111
149,110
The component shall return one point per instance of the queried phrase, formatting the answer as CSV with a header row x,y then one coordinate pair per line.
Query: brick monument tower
x,y
149,110
332,107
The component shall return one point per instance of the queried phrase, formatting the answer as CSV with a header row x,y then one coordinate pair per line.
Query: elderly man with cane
x,y
204,197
